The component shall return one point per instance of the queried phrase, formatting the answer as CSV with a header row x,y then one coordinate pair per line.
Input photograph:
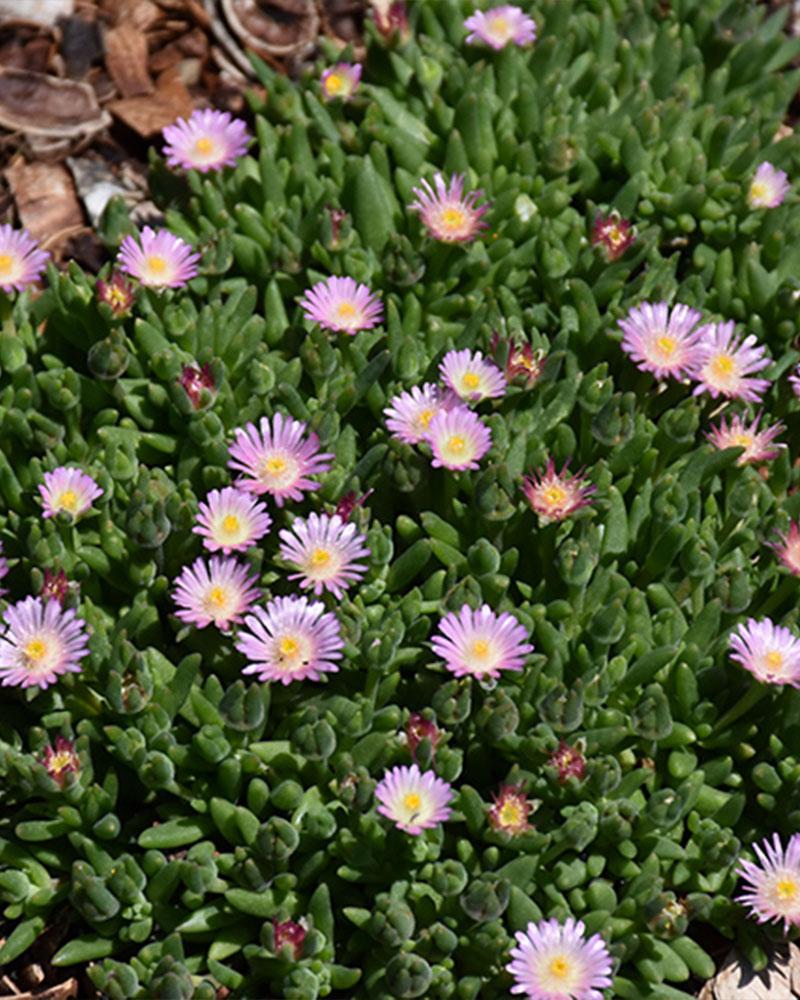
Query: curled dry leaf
x,y
736,980
45,199
39,104
274,28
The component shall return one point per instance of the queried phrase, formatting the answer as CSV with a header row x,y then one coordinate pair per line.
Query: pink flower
x,y
217,592
342,305
158,260
553,495
757,443
68,491
207,140
413,800
613,234
481,643
117,293
326,550
522,363
772,887
458,439
21,261
231,521
292,639
447,213
794,381
499,26
340,81
770,652
277,458
471,376
788,548
726,364
348,503
194,380
568,761
768,188
662,341
409,415
289,934
55,586
553,961
510,810
61,760
40,641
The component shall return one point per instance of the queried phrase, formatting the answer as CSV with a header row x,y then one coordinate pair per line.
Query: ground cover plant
x,y
400,541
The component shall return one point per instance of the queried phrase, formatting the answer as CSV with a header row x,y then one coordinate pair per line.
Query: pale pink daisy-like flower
x,y
661,340
217,592
794,381
499,26
448,214
481,643
757,443
158,259
471,376
292,639
40,641
326,550
458,439
277,458
788,548
772,887
340,81
68,491
726,364
207,140
343,305
768,187
770,652
409,414
21,260
230,520
413,800
556,495
553,961
510,810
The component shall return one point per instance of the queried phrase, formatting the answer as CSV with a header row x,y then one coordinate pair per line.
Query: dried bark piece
x,y
80,45
193,44
126,60
25,45
45,198
68,990
736,980
148,114
273,27
44,105
45,12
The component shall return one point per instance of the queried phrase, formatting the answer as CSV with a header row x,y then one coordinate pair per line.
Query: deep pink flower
x,y
522,362
207,140
55,586
418,728
568,761
117,293
291,934
194,380
348,503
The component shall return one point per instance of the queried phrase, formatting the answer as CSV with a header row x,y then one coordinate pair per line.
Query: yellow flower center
x,y
68,500
275,466
554,496
425,417
217,597
35,651
758,190
774,660
666,346
117,297
560,967
786,889
288,646
412,801
156,264
346,310
204,146
743,440
480,647
500,27
723,365
453,218
6,263
471,381
615,236
511,813
456,443
320,557
334,84
59,761
231,524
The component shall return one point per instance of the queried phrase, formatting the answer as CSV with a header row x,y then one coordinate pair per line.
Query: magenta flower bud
x,y
117,293
555,495
55,586
61,760
348,503
510,810
418,728
613,234
291,934
194,380
568,761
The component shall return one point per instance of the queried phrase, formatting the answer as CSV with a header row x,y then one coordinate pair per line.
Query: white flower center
x,y
9,266
278,470
558,974
68,500
291,651
37,654
218,602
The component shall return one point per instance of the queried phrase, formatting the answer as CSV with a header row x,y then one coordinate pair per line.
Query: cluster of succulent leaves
x,y
207,807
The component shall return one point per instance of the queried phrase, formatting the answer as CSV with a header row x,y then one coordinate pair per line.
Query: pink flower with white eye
x,y
661,340
726,364
342,305
230,520
768,187
158,259
340,81
40,641
481,643
68,491
448,214
788,548
757,442
278,458
413,800
218,592
409,414
772,886
292,639
207,140
553,961
21,261
326,550
458,439
471,376
501,26
770,652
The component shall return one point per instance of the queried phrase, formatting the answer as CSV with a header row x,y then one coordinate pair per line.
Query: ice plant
x,y
458,439
770,652
772,886
661,340
448,214
207,140
471,376
510,810
278,458
117,293
217,592
194,380
409,414
788,548
230,520
342,305
326,550
613,234
553,961
568,761
60,760
413,800
39,642
340,81
348,503
55,586
68,491
418,728
158,259
291,639
727,363
481,643
500,26
288,933
794,381
757,442
525,364
768,187
21,260
391,16
553,495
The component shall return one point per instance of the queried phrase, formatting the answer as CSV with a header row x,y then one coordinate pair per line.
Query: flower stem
x,y
749,699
